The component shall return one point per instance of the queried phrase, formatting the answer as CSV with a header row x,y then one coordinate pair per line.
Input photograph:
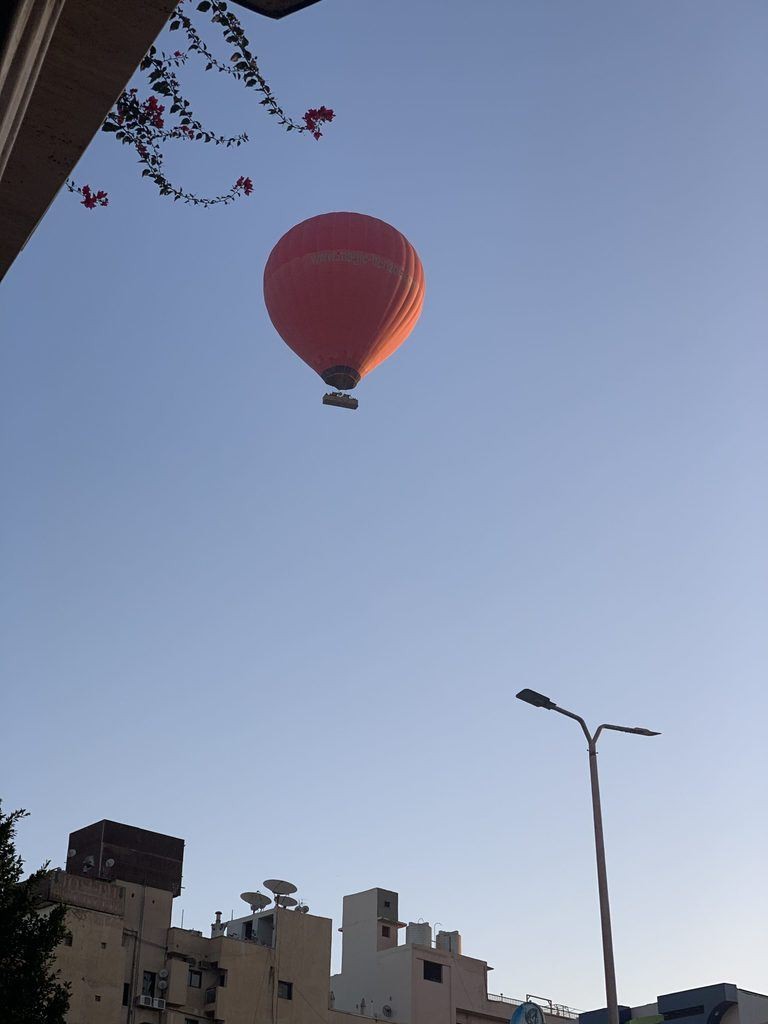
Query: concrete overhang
x,y
275,8
63,63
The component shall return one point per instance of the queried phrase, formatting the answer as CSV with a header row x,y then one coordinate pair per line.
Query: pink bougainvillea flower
x,y
315,116
92,199
245,184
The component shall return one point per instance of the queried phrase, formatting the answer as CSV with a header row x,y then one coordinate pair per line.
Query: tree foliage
x,y
30,991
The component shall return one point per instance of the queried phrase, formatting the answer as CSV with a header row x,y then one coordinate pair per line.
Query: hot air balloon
x,y
344,291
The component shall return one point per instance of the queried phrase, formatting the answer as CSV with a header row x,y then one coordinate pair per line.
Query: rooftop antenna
x,y
283,891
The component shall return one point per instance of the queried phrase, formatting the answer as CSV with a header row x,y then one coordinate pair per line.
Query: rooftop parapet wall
x,y
87,893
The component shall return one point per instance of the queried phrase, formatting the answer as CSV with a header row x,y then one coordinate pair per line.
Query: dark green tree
x,y
30,991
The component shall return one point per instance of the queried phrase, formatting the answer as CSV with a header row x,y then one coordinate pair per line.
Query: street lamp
x,y
538,700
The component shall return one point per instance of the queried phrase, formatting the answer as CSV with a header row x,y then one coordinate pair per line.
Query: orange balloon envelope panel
x,y
344,291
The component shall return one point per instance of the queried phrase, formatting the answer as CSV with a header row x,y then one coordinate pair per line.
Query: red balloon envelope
x,y
344,291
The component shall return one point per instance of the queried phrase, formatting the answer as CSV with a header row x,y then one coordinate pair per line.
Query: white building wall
x,y
752,1008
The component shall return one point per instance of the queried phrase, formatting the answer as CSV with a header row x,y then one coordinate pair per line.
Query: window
x,y
248,930
190,1020
97,998
285,990
103,945
433,971
222,979
67,940
195,979
385,930
387,903
126,992
210,995
148,984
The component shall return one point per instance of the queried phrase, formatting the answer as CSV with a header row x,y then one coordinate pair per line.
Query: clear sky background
x,y
292,635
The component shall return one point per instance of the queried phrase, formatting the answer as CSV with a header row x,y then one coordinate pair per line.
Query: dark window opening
x,y
68,939
103,945
126,992
686,1011
195,979
433,971
222,979
385,930
210,995
97,998
148,984
265,930
387,903
248,930
285,990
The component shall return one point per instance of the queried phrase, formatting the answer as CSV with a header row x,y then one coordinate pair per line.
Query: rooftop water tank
x,y
418,934
450,942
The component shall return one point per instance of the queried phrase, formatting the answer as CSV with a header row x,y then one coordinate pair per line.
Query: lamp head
x,y
538,700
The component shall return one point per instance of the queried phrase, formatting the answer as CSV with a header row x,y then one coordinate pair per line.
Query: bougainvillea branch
x,y
90,198
140,123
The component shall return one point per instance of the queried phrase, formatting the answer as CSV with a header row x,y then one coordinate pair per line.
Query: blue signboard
x,y
527,1013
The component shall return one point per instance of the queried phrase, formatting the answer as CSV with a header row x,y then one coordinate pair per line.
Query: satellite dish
x,y
255,900
303,908
286,901
109,862
279,887
71,851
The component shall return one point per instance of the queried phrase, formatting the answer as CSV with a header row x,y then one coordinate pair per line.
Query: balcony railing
x,y
547,1006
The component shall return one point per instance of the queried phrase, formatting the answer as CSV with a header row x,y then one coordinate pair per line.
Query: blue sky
x,y
292,635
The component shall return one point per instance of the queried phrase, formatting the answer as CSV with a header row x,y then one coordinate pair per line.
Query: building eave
x,y
276,8
63,63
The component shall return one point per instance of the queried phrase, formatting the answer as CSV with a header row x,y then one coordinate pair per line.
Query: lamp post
x,y
538,700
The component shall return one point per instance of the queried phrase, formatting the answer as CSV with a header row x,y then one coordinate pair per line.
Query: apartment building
x,y
421,980
127,964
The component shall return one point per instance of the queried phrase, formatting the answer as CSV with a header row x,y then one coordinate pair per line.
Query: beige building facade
x,y
421,980
126,964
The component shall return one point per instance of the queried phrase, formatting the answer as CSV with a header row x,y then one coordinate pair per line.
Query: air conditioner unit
x,y
144,1001
158,1004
